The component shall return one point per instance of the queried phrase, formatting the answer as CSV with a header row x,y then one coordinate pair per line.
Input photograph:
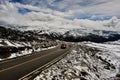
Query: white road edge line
x,y
27,77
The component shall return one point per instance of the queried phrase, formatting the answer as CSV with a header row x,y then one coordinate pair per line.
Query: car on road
x,y
63,46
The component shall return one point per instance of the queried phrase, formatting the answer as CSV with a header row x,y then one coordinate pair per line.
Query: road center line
x,y
28,61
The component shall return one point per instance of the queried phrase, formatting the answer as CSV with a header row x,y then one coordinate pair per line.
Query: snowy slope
x,y
111,46
87,61
10,49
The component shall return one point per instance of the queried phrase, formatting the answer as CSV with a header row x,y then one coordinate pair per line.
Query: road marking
x,y
27,77
27,61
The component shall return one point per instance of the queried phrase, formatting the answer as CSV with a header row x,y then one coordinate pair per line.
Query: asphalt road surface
x,y
14,69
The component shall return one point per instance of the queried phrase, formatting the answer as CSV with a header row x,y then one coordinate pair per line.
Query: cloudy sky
x,y
68,9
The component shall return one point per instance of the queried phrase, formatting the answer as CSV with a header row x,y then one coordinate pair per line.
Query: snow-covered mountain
x,y
45,23
61,28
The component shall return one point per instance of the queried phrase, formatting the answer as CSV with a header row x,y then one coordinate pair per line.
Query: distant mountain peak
x,y
114,19
113,22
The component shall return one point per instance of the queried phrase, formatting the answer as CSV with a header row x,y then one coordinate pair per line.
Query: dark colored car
x,y
63,46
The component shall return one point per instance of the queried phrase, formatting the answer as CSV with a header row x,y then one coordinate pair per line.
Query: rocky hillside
x,y
79,35
12,34
87,61
15,43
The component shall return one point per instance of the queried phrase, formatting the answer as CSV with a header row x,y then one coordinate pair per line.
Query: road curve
x,y
14,69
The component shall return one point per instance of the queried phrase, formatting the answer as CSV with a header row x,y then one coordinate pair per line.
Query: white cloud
x,y
74,9
91,7
26,6
9,14
56,18
110,8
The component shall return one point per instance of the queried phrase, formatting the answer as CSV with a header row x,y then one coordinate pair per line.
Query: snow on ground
x,y
113,49
111,52
33,49
87,61
4,42
22,53
25,52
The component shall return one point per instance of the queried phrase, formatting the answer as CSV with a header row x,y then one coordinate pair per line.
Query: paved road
x,y
16,68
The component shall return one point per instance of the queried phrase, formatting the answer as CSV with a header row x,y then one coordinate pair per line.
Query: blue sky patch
x,y
24,10
20,1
